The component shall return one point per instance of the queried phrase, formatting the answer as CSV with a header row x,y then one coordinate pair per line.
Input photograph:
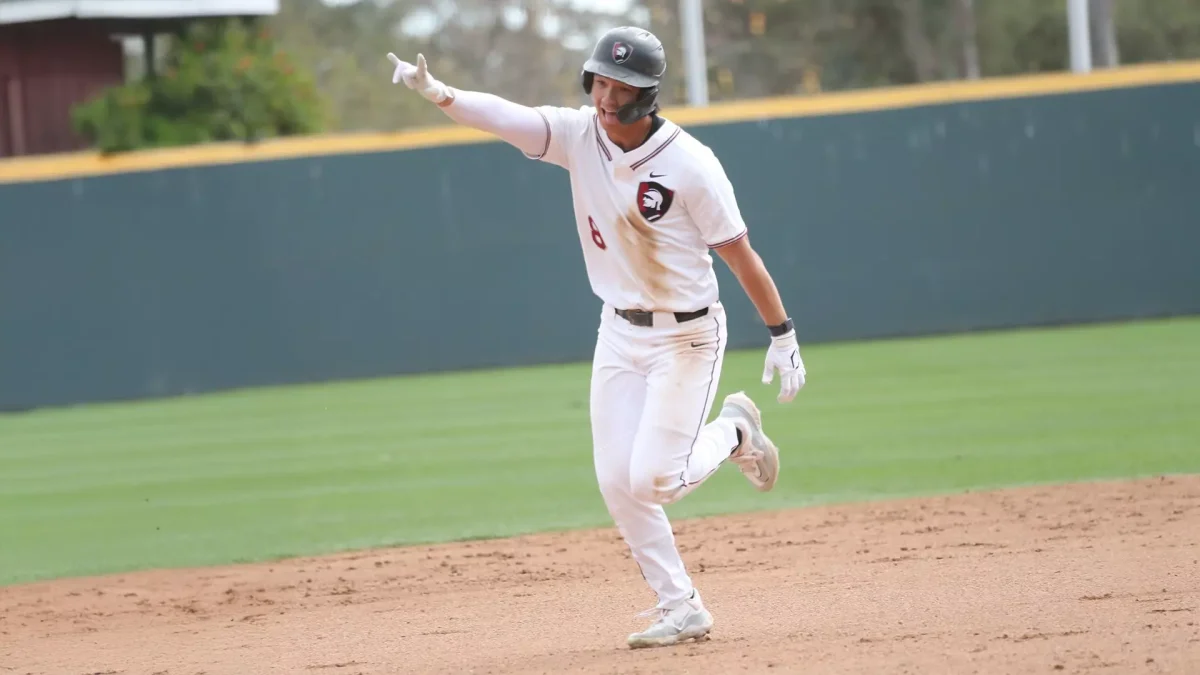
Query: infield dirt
x,y
1087,578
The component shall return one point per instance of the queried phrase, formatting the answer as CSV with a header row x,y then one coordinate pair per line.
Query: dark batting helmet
x,y
635,57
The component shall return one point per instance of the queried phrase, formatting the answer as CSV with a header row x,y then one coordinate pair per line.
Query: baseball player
x,y
650,202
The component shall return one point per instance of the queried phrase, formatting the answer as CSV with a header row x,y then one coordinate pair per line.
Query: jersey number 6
x,y
599,240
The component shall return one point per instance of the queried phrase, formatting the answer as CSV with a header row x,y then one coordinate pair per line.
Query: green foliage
x,y
345,46
220,82
755,48
779,47
1162,30
484,45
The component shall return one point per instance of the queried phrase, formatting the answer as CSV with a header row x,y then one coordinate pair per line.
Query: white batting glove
x,y
784,355
418,78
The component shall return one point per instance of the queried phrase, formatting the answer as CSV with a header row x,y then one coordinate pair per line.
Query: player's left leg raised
x,y
674,450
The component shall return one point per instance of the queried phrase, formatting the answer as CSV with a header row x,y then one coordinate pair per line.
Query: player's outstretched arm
x,y
519,125
784,352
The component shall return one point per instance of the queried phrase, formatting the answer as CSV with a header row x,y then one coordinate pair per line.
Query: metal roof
x,y
24,11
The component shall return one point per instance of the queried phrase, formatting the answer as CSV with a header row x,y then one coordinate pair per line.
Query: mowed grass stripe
x,y
255,474
257,412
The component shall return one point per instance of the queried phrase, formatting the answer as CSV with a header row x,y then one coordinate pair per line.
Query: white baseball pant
x,y
652,389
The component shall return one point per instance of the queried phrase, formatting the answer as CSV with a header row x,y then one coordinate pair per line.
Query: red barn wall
x,y
45,69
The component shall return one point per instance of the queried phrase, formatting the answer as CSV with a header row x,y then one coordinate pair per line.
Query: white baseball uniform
x,y
646,220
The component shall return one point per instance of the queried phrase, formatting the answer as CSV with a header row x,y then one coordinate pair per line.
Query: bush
x,y
220,82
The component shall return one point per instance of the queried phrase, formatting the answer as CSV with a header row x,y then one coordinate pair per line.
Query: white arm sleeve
x,y
520,126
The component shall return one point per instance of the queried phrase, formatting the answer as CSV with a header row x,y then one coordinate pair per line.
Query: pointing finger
x,y
397,73
421,67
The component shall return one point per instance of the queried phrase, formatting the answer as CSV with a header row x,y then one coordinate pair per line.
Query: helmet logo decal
x,y
621,52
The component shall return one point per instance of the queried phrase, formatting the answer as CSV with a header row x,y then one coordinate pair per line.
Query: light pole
x,y
691,14
1078,28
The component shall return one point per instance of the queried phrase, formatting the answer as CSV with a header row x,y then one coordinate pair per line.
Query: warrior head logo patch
x,y
621,52
654,200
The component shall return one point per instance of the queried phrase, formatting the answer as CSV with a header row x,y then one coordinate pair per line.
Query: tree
x,y
1162,30
531,51
773,47
345,47
221,81
526,50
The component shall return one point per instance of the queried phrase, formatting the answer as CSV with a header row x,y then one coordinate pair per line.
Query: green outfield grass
x,y
260,474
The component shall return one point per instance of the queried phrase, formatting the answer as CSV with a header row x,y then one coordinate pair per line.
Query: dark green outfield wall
x,y
963,216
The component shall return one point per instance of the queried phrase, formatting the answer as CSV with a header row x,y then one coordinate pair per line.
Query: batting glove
x,y
784,356
419,80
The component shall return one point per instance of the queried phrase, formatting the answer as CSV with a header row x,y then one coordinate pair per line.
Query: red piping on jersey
x,y
730,241
600,141
659,149
547,123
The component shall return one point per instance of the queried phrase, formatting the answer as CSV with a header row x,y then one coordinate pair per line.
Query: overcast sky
x,y
603,5
598,5
422,23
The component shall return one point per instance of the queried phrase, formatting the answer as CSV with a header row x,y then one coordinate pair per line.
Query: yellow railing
x,y
70,165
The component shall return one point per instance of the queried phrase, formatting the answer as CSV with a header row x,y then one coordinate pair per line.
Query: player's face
x,y
608,96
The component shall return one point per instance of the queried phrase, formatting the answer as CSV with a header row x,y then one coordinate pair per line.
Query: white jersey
x,y
646,218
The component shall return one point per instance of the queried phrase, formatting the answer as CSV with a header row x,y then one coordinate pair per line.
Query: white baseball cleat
x,y
688,620
757,457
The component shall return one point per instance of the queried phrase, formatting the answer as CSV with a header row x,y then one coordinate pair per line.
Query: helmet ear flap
x,y
646,103
588,78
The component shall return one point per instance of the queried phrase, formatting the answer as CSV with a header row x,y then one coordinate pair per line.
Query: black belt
x,y
641,317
